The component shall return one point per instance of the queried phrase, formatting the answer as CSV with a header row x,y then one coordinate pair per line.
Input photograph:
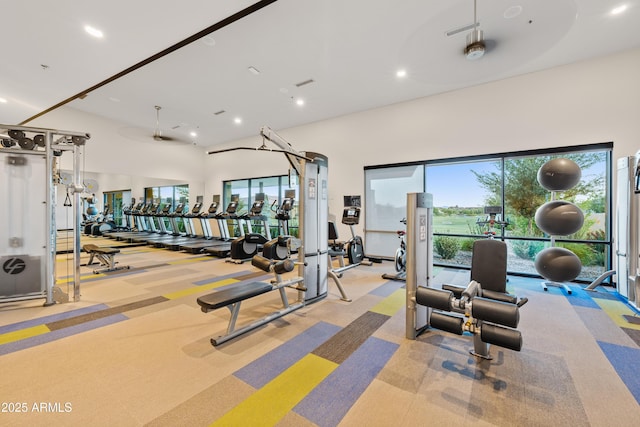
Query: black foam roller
x,y
503,337
284,266
447,322
435,298
261,262
498,312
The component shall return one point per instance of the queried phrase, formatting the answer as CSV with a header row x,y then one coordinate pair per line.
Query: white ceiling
x,y
350,49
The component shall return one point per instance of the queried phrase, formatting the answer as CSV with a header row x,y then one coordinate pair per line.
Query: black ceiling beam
x,y
215,27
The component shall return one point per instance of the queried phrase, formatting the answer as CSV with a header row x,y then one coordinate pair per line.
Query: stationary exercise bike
x,y
492,220
400,259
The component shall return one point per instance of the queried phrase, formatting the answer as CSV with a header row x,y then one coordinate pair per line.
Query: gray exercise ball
x,y
92,210
558,264
559,218
559,175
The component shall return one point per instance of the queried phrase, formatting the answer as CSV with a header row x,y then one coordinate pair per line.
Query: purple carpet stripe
x,y
52,318
625,361
266,368
59,334
329,402
217,278
386,289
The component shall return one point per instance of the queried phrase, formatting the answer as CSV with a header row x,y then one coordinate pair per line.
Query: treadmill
x,y
156,222
223,249
191,237
145,225
195,246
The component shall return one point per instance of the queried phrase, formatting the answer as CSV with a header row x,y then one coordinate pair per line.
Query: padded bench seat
x,y
232,295
105,255
90,247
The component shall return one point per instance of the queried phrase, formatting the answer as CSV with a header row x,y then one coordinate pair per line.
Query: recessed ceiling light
x,y
512,12
618,10
93,31
237,120
401,73
300,102
209,41
114,99
193,134
3,101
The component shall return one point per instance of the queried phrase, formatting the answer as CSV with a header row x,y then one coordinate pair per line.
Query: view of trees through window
x,y
498,198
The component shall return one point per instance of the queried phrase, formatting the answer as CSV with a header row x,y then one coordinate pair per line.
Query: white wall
x,y
583,103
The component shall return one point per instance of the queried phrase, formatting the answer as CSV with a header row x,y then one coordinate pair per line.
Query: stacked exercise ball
x,y
558,218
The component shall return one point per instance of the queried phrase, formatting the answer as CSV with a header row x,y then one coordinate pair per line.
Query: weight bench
x,y
106,256
233,296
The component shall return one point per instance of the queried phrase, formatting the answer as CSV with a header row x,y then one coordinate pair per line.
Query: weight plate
x,y
7,143
16,134
26,143
39,140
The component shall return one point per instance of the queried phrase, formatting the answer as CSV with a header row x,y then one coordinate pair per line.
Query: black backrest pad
x,y
489,264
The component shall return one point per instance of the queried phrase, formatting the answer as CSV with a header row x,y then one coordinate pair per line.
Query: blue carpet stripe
x,y
52,318
329,402
59,334
581,298
266,368
625,361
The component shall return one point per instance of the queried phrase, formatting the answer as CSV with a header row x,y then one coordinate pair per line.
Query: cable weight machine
x,y
30,170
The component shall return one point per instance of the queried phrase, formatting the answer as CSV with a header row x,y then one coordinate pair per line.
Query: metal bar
x,y
51,229
77,219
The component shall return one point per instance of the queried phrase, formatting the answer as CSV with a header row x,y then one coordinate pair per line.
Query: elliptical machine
x,y
353,249
278,248
245,247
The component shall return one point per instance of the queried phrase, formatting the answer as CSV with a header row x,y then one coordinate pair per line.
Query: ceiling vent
x,y
306,82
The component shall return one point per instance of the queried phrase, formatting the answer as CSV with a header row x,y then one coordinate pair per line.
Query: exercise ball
x,y
558,264
92,210
559,218
559,175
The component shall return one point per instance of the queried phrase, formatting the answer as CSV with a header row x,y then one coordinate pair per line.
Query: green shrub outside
x,y
447,247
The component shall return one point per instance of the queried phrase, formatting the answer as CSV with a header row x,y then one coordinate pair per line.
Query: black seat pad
x,y
232,295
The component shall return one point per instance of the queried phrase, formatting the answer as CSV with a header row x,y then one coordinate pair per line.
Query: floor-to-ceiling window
x,y
117,200
273,189
497,196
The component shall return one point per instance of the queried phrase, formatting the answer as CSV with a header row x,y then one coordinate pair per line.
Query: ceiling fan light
x,y
475,45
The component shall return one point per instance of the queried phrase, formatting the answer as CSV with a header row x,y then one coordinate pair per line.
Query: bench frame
x,y
232,298
105,255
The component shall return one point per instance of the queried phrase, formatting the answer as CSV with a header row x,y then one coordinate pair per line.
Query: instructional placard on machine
x,y
423,228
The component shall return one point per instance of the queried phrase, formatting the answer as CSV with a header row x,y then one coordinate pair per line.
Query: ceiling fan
x,y
157,134
476,46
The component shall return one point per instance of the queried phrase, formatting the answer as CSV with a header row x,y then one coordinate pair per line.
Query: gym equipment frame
x,y
312,168
29,164
490,316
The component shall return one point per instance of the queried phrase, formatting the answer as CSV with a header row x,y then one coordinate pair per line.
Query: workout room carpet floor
x,y
135,351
